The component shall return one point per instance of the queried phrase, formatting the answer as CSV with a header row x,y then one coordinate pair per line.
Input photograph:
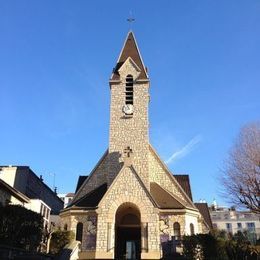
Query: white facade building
x,y
19,185
24,180
42,208
10,195
66,197
233,221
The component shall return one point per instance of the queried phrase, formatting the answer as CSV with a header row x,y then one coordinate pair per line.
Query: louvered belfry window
x,y
129,90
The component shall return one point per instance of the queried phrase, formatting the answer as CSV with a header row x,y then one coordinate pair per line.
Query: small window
x,y
192,229
239,225
79,231
250,226
65,227
229,227
177,231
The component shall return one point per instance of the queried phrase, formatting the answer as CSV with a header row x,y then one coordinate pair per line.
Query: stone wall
x,y
124,132
191,218
132,130
167,221
89,221
126,189
159,175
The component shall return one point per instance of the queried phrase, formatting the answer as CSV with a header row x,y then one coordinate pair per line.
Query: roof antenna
x,y
54,175
130,19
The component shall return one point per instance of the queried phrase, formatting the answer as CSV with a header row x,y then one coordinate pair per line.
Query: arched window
x,y
191,229
129,90
79,231
177,231
65,227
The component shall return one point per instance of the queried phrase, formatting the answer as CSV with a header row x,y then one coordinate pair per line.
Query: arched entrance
x,y
127,232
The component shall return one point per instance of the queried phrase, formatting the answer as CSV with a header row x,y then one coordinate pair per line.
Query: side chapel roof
x,y
184,181
163,199
91,199
204,211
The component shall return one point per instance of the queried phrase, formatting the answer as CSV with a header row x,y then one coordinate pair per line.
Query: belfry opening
x,y
128,232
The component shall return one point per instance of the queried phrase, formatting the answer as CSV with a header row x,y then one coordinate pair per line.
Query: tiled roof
x,y
70,194
130,49
91,199
204,211
81,179
163,199
184,181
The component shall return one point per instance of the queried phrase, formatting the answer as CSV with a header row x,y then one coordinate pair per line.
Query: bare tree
x,y
241,173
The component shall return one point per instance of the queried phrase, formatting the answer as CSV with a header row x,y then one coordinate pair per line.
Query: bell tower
x,y
129,86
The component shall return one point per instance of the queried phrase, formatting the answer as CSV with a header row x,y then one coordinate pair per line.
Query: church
x,y
131,205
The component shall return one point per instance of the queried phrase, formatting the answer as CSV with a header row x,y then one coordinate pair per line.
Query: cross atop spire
x,y
130,49
130,20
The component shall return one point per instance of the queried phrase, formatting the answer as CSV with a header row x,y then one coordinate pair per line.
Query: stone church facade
x,y
131,204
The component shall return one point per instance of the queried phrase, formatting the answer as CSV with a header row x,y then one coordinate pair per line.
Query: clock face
x,y
128,109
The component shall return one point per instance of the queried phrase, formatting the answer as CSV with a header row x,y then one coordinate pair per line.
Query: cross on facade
x,y
128,151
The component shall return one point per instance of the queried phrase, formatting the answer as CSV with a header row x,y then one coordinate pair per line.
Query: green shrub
x,y
219,246
191,248
239,247
59,239
20,227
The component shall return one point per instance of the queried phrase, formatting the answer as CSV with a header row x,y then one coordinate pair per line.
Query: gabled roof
x,y
130,49
81,179
91,199
184,181
204,211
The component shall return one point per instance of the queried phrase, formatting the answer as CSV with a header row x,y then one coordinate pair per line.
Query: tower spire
x,y
130,49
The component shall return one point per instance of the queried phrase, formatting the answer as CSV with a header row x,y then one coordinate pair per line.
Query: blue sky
x,y
56,58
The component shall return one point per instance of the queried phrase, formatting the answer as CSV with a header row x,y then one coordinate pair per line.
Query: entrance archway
x,y
128,232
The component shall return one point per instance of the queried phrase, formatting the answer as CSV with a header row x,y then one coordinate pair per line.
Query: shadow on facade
x,y
114,165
